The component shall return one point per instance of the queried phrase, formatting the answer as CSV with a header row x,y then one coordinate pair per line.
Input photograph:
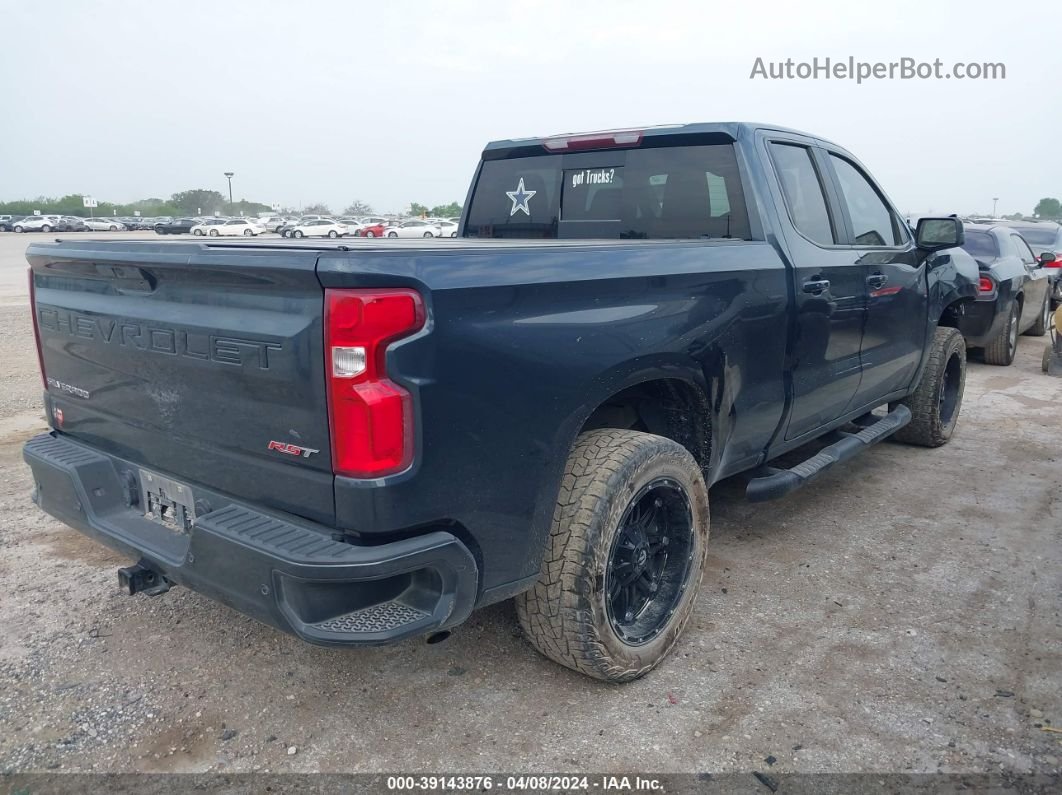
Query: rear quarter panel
x,y
523,343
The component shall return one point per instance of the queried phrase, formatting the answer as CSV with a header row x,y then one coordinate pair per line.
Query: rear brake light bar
x,y
37,329
613,139
370,416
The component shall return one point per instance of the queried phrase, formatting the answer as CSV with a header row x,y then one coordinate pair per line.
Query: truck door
x,y
830,291
897,301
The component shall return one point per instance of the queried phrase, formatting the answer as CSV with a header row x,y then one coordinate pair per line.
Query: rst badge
x,y
292,449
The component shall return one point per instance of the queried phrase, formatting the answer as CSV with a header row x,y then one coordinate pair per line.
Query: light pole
x,y
995,201
229,175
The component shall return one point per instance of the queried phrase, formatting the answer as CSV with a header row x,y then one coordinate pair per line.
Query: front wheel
x,y
297,233
1002,349
624,558
392,234
197,232
213,232
19,229
370,233
936,401
428,234
248,233
332,233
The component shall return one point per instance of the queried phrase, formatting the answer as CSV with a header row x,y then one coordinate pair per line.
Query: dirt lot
x,y
900,616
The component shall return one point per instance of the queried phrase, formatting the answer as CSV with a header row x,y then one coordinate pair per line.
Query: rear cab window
x,y
980,245
658,192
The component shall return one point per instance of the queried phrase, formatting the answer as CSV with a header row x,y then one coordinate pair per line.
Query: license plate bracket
x,y
167,502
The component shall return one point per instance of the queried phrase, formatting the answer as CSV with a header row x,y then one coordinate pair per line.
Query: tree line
x,y
189,202
199,202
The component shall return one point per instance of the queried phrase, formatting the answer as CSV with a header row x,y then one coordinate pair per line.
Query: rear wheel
x,y
624,559
1002,349
46,228
1043,322
197,232
297,233
332,233
369,233
392,234
428,234
213,232
936,402
248,232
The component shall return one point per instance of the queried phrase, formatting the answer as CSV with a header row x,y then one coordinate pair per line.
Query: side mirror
x,y
934,234
1048,259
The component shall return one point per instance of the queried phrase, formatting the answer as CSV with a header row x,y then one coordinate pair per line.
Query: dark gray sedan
x,y
1045,237
1013,292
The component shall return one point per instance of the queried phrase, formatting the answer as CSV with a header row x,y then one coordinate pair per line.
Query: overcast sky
x,y
392,102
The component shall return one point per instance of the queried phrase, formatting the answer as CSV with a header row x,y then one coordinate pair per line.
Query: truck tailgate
x,y
204,365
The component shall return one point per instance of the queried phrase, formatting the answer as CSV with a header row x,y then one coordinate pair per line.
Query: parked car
x,y
287,229
205,224
269,223
355,225
319,228
1013,292
413,228
179,226
37,223
7,223
70,223
446,228
104,225
360,448
234,227
1045,237
373,230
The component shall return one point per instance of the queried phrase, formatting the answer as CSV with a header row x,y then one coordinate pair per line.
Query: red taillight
x,y
985,285
371,417
36,328
1055,263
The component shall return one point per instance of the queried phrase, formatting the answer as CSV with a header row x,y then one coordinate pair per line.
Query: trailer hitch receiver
x,y
142,578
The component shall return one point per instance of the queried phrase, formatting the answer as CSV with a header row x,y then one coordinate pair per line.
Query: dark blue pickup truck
x,y
361,441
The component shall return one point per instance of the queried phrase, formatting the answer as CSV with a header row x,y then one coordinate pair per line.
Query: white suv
x,y
37,223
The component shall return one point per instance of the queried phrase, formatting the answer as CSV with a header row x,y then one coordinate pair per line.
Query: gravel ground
x,y
901,616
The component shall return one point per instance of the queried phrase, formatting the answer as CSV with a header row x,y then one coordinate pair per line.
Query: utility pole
x,y
995,201
229,175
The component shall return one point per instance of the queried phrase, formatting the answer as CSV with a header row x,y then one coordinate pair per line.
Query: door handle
x,y
816,286
877,280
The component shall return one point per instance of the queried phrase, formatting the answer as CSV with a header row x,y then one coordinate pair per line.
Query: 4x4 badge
x,y
520,197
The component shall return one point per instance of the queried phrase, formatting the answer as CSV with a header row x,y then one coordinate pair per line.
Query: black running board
x,y
779,482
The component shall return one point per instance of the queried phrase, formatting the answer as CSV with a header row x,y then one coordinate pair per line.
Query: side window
x,y
1024,251
803,192
873,223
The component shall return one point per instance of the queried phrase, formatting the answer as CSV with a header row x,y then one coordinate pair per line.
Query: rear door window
x,y
1024,251
804,196
649,193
